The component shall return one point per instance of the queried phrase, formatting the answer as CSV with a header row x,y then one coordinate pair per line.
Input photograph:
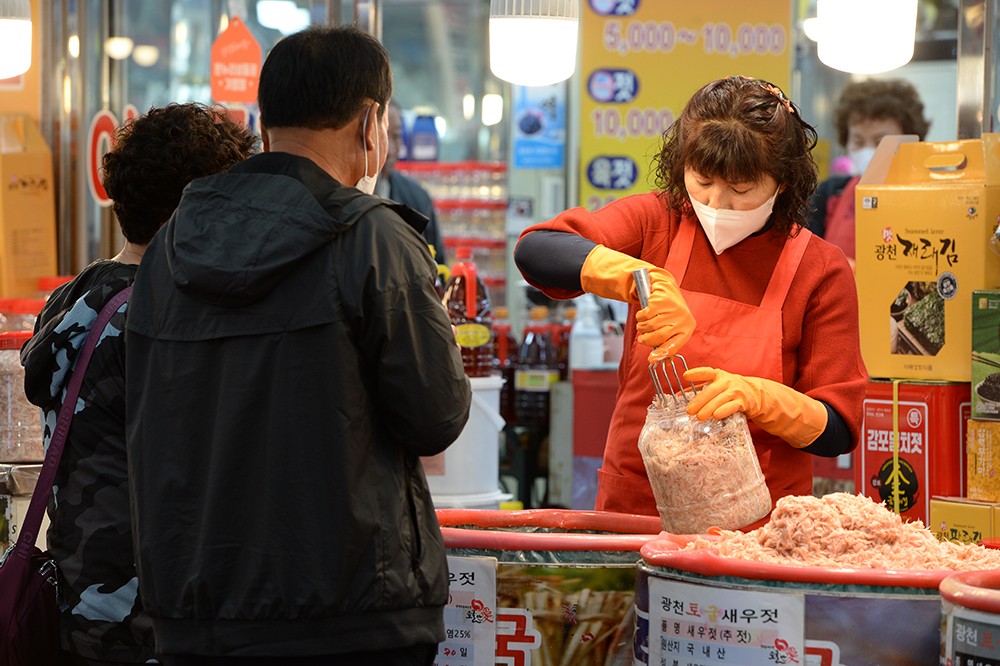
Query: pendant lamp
x,y
533,42
866,36
15,37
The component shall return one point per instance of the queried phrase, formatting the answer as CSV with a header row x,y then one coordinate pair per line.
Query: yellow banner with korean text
x,y
641,60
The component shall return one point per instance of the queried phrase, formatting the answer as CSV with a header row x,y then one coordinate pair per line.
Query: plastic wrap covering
x,y
18,480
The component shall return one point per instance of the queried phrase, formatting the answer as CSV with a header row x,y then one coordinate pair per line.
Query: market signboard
x,y
642,60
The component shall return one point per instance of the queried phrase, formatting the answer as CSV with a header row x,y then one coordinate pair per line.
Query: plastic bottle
x,y
505,349
586,339
468,304
537,370
424,141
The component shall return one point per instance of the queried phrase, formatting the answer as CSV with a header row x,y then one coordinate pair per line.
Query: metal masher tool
x,y
658,370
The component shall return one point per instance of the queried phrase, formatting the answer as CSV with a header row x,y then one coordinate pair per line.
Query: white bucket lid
x,y
493,382
470,501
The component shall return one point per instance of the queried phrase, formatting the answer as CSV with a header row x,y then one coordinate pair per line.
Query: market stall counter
x,y
543,586
830,581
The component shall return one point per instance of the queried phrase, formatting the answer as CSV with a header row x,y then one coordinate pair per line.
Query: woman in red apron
x,y
764,312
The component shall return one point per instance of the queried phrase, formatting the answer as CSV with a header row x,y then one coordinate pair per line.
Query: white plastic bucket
x,y
471,466
490,501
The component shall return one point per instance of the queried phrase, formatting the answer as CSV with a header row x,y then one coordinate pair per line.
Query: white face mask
x,y
725,228
860,159
367,183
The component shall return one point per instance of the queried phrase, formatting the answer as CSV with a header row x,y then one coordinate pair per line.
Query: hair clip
x,y
776,91
769,87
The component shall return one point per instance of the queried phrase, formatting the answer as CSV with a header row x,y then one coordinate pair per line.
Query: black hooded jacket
x,y
289,361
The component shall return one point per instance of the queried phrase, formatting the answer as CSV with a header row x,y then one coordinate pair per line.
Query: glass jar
x,y
703,473
20,421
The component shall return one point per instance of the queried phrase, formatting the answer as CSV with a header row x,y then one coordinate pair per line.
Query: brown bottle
x,y
468,304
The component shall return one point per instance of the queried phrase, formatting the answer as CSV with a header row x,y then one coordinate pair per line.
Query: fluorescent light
x,y
492,109
866,36
533,42
468,106
15,38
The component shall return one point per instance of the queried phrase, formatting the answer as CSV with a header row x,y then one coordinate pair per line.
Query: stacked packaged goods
x,y
923,244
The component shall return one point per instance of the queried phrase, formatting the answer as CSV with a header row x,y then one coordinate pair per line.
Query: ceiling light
x,y
118,48
145,55
866,36
492,109
15,38
533,42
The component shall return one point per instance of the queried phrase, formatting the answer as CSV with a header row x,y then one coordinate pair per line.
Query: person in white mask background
x,y
764,312
866,111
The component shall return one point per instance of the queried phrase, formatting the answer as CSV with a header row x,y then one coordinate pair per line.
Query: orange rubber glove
x,y
665,321
778,409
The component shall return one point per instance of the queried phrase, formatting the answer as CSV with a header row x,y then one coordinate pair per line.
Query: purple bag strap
x,y
43,487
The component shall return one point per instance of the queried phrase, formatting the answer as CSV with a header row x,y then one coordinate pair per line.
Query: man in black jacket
x,y
289,361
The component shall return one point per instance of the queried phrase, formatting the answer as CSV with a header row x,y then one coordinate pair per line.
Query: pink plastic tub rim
x,y
599,521
667,551
978,590
627,532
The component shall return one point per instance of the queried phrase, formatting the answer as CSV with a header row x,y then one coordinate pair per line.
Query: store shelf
x,y
470,199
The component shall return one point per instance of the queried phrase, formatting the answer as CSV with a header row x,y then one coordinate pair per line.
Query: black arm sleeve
x,y
553,258
836,439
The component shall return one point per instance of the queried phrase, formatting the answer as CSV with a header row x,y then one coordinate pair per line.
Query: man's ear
x,y
265,140
372,126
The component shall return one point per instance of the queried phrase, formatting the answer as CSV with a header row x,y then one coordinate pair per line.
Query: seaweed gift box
x,y
986,355
925,214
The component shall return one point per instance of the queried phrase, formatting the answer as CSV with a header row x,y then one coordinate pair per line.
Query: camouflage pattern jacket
x,y
90,535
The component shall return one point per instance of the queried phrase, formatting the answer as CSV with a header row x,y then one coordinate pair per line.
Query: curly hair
x,y
155,155
890,99
741,129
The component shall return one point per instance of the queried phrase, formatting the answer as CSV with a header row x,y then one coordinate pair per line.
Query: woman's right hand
x,y
665,322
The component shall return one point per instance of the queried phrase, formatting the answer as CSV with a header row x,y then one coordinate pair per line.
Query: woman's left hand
x,y
778,409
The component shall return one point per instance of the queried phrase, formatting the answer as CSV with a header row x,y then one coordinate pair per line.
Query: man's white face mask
x,y
367,183
725,228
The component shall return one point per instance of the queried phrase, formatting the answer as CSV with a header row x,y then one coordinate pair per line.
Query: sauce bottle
x,y
468,304
537,370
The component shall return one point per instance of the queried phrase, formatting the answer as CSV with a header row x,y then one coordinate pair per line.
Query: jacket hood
x,y
234,235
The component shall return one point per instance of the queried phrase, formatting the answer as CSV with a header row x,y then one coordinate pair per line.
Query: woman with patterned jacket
x,y
151,161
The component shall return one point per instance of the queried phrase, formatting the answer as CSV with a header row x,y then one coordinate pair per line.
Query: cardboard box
x,y
12,513
925,213
983,463
962,519
986,355
27,208
931,419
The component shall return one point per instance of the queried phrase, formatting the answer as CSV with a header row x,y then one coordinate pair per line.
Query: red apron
x,y
736,337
